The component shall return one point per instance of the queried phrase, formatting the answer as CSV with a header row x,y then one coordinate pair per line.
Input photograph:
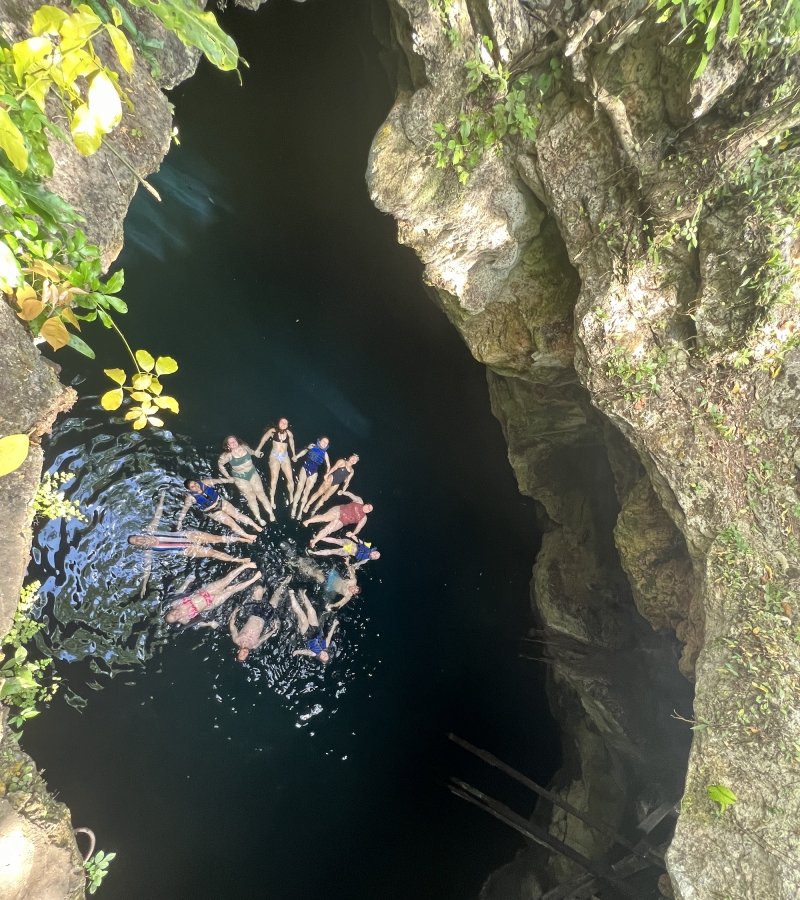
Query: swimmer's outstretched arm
x,y
303,653
327,464
290,438
232,624
360,525
221,463
343,602
184,509
268,633
346,484
353,497
264,438
301,453
332,631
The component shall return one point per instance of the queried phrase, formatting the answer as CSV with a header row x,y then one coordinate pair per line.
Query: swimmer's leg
x,y
335,525
210,553
280,590
274,470
248,492
302,619
324,498
224,519
258,488
286,468
322,517
235,589
222,583
326,484
303,479
311,613
234,513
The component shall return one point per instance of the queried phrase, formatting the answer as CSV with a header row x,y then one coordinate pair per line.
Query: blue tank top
x,y
317,644
362,552
314,459
209,496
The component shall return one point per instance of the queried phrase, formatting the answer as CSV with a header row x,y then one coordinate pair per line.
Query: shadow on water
x,y
281,291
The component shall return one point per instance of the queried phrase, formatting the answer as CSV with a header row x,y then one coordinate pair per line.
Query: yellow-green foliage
x,y
51,503
24,683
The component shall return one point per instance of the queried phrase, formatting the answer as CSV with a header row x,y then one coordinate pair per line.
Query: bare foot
x,y
250,539
246,559
249,565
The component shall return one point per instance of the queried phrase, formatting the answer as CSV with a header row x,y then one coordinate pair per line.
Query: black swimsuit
x,y
339,476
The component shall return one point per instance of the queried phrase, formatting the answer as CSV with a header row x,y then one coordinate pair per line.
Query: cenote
x,y
281,291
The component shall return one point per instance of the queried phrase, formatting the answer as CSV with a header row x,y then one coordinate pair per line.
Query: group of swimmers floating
x,y
261,619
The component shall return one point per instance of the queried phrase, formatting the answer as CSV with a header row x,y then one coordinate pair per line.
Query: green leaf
x,y
80,346
10,272
165,365
47,20
722,795
734,18
121,45
115,282
86,131
13,452
145,360
702,66
116,303
719,9
12,142
196,29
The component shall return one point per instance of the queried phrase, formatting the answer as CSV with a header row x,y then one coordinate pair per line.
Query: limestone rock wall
x,y
666,477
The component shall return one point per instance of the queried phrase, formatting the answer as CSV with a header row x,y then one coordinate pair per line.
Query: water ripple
x,y
97,625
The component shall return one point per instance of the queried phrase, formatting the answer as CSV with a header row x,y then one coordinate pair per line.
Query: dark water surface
x,y
268,274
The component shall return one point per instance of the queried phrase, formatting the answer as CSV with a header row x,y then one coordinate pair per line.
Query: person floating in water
x,y
282,447
190,543
239,456
262,621
308,626
350,547
315,456
340,476
215,506
182,611
333,581
337,517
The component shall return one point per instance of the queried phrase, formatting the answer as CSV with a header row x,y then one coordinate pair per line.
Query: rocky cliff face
x,y
40,857
611,275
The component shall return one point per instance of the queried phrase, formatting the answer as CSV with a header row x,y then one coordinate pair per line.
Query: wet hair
x,y
323,437
190,481
227,438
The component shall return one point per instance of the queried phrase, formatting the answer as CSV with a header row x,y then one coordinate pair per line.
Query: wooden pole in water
x,y
538,835
556,800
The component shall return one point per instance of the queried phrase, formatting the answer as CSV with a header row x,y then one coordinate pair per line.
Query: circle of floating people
x,y
254,610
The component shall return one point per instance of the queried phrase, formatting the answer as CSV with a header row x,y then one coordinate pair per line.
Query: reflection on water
x,y
90,595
